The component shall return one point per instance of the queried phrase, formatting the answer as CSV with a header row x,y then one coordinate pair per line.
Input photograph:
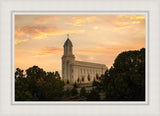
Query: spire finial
x,y
67,35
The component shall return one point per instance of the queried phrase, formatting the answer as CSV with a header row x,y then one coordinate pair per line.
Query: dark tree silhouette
x,y
74,92
19,73
83,91
125,81
93,95
38,85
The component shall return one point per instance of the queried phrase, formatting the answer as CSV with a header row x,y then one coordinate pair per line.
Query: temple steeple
x,y
67,60
68,47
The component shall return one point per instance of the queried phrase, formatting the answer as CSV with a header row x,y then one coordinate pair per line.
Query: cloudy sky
x,y
39,39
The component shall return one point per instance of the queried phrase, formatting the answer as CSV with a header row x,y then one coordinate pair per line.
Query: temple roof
x,y
68,42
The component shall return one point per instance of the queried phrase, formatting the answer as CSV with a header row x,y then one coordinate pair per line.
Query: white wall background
x,y
79,109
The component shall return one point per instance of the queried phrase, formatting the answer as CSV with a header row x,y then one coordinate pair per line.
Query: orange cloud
x,y
89,52
78,21
17,41
140,17
57,50
123,27
42,32
120,23
135,22
99,51
132,17
45,19
127,21
47,51
19,32
95,27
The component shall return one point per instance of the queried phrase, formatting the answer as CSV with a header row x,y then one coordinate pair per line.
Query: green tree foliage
x,y
67,92
74,92
93,95
38,85
35,72
57,75
19,73
67,81
75,85
83,92
126,80
94,82
22,93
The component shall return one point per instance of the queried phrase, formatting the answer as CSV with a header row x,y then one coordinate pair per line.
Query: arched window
x,y
89,78
78,79
97,76
82,78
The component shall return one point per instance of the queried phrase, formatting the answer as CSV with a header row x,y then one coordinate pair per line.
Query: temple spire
x,y
67,35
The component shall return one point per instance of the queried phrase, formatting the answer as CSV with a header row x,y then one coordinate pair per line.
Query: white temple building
x,y
79,71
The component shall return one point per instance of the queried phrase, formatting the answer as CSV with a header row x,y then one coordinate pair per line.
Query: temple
x,y
79,71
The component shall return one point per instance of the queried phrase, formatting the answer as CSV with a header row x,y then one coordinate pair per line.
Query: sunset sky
x,y
39,39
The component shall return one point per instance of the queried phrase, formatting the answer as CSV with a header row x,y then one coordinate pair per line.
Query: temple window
x,y
82,78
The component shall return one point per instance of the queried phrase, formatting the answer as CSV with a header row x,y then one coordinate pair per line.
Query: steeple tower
x,y
67,60
68,47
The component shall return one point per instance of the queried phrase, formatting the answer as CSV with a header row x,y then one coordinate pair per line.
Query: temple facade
x,y
79,71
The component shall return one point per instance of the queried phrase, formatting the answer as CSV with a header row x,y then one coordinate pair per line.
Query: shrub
x,y
74,92
93,95
75,85
83,91
67,81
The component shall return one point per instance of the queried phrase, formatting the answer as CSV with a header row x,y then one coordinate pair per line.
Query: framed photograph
x,y
65,58
89,70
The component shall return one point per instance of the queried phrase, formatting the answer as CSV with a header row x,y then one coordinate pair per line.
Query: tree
x,y
95,83
125,81
35,72
57,75
67,92
22,92
104,80
75,85
19,73
39,85
93,95
130,61
83,92
67,81
74,92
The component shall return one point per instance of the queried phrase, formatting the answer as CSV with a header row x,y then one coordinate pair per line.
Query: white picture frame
x,y
149,108
14,13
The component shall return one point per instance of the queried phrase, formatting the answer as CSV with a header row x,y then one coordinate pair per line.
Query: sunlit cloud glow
x,y
127,21
95,27
58,50
79,21
17,41
47,51
42,32
45,19
39,39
